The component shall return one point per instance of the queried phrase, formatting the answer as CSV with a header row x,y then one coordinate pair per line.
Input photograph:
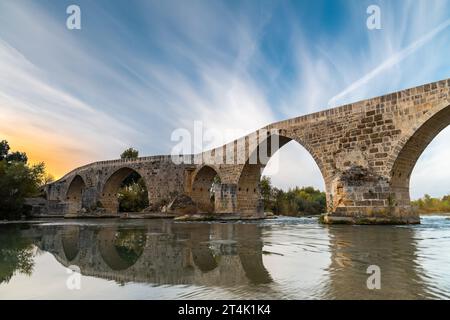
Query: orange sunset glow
x,y
57,161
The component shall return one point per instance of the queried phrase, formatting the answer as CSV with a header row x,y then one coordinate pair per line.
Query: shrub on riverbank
x,y
427,204
294,202
133,196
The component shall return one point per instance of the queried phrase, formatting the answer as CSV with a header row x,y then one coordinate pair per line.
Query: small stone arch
x,y
108,195
74,194
202,182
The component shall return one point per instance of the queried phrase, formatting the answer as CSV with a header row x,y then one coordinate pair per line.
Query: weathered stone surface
x,y
37,206
365,151
182,204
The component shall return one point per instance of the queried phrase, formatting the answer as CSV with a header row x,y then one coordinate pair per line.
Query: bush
x,y
133,197
427,204
294,202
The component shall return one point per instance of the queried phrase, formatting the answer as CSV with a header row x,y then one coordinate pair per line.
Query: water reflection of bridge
x,y
161,252
393,250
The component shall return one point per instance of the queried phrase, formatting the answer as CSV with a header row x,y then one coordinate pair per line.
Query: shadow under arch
x,y
248,187
202,183
121,248
74,195
71,242
108,196
409,152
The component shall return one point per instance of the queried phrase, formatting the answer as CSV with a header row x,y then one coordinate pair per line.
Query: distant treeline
x,y
427,204
294,202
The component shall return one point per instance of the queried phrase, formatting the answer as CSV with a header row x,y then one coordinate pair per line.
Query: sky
x,y
137,71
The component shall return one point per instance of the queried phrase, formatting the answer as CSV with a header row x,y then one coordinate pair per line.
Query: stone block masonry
x,y
365,151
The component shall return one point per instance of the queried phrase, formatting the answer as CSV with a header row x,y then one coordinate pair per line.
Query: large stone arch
x,y
409,149
202,181
108,195
74,194
249,202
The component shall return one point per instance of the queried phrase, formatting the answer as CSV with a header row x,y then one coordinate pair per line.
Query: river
x,y
284,258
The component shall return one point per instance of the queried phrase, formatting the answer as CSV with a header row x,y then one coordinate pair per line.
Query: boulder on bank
x,y
160,206
182,204
194,217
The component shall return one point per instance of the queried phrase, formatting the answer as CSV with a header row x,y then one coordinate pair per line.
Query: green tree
x,y
48,178
18,180
4,149
428,204
17,156
212,189
133,196
130,153
266,192
294,202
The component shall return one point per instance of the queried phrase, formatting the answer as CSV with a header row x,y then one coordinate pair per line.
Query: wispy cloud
x,y
390,62
48,121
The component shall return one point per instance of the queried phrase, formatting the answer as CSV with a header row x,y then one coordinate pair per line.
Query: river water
x,y
284,258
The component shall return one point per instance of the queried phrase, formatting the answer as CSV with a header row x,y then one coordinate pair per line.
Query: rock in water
x,y
182,204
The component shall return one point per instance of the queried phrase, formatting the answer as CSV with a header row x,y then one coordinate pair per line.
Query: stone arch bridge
x,y
365,151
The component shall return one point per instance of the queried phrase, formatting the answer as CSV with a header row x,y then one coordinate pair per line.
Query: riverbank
x,y
206,217
430,213
179,218
138,216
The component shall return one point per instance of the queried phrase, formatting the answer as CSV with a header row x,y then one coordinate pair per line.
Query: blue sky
x,y
138,70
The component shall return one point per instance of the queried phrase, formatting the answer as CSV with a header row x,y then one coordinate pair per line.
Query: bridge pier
x,y
372,215
110,203
359,196
229,199
225,198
